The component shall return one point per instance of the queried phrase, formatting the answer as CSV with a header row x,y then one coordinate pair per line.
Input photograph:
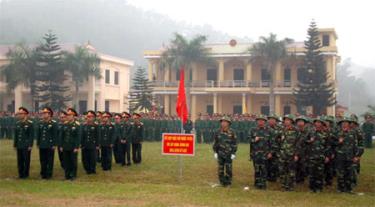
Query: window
x,y
299,74
287,77
286,109
177,75
107,76
325,40
238,74
266,76
211,74
265,110
116,78
237,109
106,105
210,109
82,106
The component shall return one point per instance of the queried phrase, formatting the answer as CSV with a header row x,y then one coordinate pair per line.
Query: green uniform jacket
x,y
47,134
136,132
225,143
90,136
70,135
106,134
24,134
260,149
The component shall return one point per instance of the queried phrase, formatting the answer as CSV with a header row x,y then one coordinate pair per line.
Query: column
x,y
278,105
215,102
166,104
166,73
150,70
244,107
91,93
249,104
278,73
193,106
101,98
249,71
18,97
221,70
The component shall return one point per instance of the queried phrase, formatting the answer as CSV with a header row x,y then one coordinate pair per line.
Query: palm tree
x,y
182,53
82,64
21,68
267,52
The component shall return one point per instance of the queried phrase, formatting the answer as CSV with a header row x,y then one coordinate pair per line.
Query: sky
x,y
353,20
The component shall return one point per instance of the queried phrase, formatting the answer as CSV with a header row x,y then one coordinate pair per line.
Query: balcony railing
x,y
224,84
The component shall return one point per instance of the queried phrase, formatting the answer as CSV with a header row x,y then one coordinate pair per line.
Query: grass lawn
x,y
156,183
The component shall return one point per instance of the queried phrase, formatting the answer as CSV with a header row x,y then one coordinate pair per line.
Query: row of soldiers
x,y
95,135
295,149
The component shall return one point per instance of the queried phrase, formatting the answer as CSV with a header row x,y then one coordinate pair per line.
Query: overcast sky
x,y
354,21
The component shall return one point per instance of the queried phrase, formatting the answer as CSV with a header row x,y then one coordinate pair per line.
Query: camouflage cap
x,y
329,118
345,119
263,117
226,118
273,116
303,118
288,116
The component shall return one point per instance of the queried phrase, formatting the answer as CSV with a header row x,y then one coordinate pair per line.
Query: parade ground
x,y
156,182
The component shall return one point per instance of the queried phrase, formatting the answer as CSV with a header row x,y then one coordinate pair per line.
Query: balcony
x,y
224,84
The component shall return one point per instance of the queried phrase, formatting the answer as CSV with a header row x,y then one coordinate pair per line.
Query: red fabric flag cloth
x,y
181,107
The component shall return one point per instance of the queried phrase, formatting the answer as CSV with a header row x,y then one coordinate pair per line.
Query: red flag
x,y
181,106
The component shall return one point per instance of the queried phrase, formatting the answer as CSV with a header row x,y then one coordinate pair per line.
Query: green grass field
x,y
156,183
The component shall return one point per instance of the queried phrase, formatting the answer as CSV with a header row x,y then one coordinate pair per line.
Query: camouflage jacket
x,y
259,149
225,143
348,148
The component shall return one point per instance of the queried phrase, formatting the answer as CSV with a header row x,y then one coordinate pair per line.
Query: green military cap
x,y
345,119
288,116
107,114
47,110
354,118
72,111
226,118
273,116
303,118
23,110
90,113
329,119
320,119
261,117
368,115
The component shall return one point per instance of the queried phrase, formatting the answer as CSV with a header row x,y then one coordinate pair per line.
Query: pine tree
x,y
313,88
51,89
141,98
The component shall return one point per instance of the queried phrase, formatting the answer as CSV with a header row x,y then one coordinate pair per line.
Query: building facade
x,y
108,93
236,85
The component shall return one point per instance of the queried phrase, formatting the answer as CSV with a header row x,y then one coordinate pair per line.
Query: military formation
x,y
292,149
288,149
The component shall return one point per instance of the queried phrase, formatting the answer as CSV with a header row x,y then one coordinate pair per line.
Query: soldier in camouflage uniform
x,y
225,148
289,153
23,142
347,153
275,135
354,125
368,129
317,153
260,151
89,143
303,134
47,141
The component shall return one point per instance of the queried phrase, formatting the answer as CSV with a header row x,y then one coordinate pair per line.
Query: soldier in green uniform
x,y
23,142
69,144
60,127
98,121
354,125
106,140
119,128
125,141
89,142
137,138
225,148
317,153
188,126
275,135
260,151
347,153
329,167
289,154
47,141
198,128
303,134
368,129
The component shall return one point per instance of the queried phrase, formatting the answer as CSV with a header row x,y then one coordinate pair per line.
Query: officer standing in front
x,y
137,138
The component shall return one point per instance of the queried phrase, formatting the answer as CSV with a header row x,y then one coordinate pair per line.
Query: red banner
x,y
178,144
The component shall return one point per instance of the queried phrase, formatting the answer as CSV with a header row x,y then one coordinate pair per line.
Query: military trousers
x,y
70,164
89,160
46,158
23,162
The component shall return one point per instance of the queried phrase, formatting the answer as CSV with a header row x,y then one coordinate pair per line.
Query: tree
x,y
140,95
267,53
21,68
82,64
182,53
50,87
313,89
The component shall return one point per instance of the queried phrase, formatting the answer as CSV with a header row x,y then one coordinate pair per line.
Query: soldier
x,y
346,154
47,141
260,151
106,140
275,134
69,144
368,129
329,167
137,138
98,121
188,126
125,141
225,148
89,142
289,154
119,128
60,127
23,142
317,153
303,134
354,125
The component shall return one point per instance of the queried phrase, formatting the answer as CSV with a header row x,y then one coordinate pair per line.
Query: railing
x,y
225,84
